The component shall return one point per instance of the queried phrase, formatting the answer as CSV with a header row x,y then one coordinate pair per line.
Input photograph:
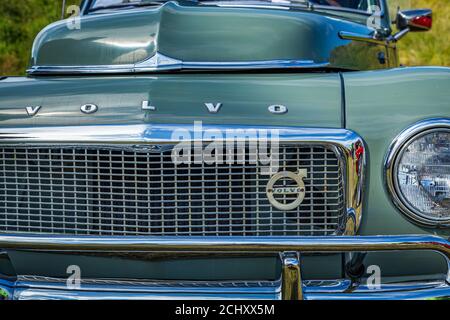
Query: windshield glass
x,y
359,5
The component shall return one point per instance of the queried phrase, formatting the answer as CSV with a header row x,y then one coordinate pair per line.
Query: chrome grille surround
x,y
107,181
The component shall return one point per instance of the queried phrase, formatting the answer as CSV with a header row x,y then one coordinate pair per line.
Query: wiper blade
x,y
159,2
305,3
129,5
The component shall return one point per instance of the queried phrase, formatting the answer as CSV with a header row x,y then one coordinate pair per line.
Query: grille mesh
x,y
119,191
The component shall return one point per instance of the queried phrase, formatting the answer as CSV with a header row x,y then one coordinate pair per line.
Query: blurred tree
x,y
20,22
426,48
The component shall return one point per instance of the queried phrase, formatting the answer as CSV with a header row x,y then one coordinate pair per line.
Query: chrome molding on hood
x,y
160,62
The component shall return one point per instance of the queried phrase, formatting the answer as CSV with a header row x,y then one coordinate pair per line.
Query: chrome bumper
x,y
290,285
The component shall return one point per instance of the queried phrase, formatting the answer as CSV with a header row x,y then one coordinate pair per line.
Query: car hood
x,y
197,33
311,100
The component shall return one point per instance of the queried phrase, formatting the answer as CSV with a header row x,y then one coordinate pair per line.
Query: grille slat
x,y
119,191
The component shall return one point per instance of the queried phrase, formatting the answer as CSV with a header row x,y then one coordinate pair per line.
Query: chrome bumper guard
x,y
290,286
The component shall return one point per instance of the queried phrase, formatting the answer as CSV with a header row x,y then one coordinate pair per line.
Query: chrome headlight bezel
x,y
396,149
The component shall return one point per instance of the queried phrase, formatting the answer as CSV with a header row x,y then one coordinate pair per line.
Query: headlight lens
x,y
422,176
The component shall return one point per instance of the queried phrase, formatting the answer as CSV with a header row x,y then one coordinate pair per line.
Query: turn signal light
x,y
423,21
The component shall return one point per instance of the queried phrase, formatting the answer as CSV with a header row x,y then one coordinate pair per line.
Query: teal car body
x,y
329,69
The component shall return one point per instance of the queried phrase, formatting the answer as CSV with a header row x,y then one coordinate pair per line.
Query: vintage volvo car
x,y
334,182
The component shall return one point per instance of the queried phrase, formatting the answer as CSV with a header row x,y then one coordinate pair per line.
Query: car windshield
x,y
359,5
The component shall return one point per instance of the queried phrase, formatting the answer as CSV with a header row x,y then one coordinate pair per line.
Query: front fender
x,y
379,105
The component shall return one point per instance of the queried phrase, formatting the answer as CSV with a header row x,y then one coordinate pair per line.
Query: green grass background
x,y
426,48
21,20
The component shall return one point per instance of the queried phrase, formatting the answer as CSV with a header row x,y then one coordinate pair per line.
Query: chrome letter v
x,y
213,107
32,111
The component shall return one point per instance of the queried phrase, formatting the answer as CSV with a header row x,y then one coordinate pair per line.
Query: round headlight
x,y
418,172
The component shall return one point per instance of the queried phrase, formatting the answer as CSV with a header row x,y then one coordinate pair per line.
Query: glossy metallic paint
x,y
115,42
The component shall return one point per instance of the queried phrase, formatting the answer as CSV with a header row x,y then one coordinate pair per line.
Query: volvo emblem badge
x,y
277,109
213,107
286,189
89,108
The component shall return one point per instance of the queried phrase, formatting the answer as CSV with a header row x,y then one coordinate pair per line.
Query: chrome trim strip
x,y
401,291
35,288
313,290
162,133
394,150
399,35
360,37
349,146
160,62
226,244
77,70
367,38
166,286
64,294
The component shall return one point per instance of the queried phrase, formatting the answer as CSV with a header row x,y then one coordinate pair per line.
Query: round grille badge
x,y
286,189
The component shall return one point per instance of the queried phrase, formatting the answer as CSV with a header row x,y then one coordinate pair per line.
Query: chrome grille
x,y
120,191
